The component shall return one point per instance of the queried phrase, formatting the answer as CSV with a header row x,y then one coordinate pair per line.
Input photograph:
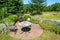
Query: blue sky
x,y
49,2
26,1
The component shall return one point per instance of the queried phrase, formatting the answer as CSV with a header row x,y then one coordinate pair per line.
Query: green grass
x,y
50,15
47,35
7,37
50,26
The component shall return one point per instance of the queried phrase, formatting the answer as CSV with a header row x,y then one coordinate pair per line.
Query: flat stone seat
x,y
25,24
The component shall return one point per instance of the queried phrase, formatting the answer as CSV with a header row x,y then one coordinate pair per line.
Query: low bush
x,y
11,19
34,20
25,16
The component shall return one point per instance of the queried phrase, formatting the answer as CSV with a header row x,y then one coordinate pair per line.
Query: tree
x,y
3,9
56,7
14,6
53,7
37,5
8,7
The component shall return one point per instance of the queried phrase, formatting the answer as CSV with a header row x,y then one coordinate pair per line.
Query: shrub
x,y
11,19
34,12
25,16
34,20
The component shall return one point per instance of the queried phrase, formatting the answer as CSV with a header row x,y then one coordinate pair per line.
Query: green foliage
x,y
13,6
38,5
8,7
34,12
53,7
25,16
34,20
38,1
11,19
3,13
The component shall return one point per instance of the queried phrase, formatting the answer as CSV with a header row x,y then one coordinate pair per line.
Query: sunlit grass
x,y
55,16
7,37
47,35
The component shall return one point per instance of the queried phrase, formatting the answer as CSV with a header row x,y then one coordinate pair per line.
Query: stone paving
x,y
35,31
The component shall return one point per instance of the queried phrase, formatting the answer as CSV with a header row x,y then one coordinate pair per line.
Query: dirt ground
x,y
35,31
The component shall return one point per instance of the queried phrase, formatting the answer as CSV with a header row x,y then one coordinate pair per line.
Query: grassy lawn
x,y
52,15
7,37
51,26
47,35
